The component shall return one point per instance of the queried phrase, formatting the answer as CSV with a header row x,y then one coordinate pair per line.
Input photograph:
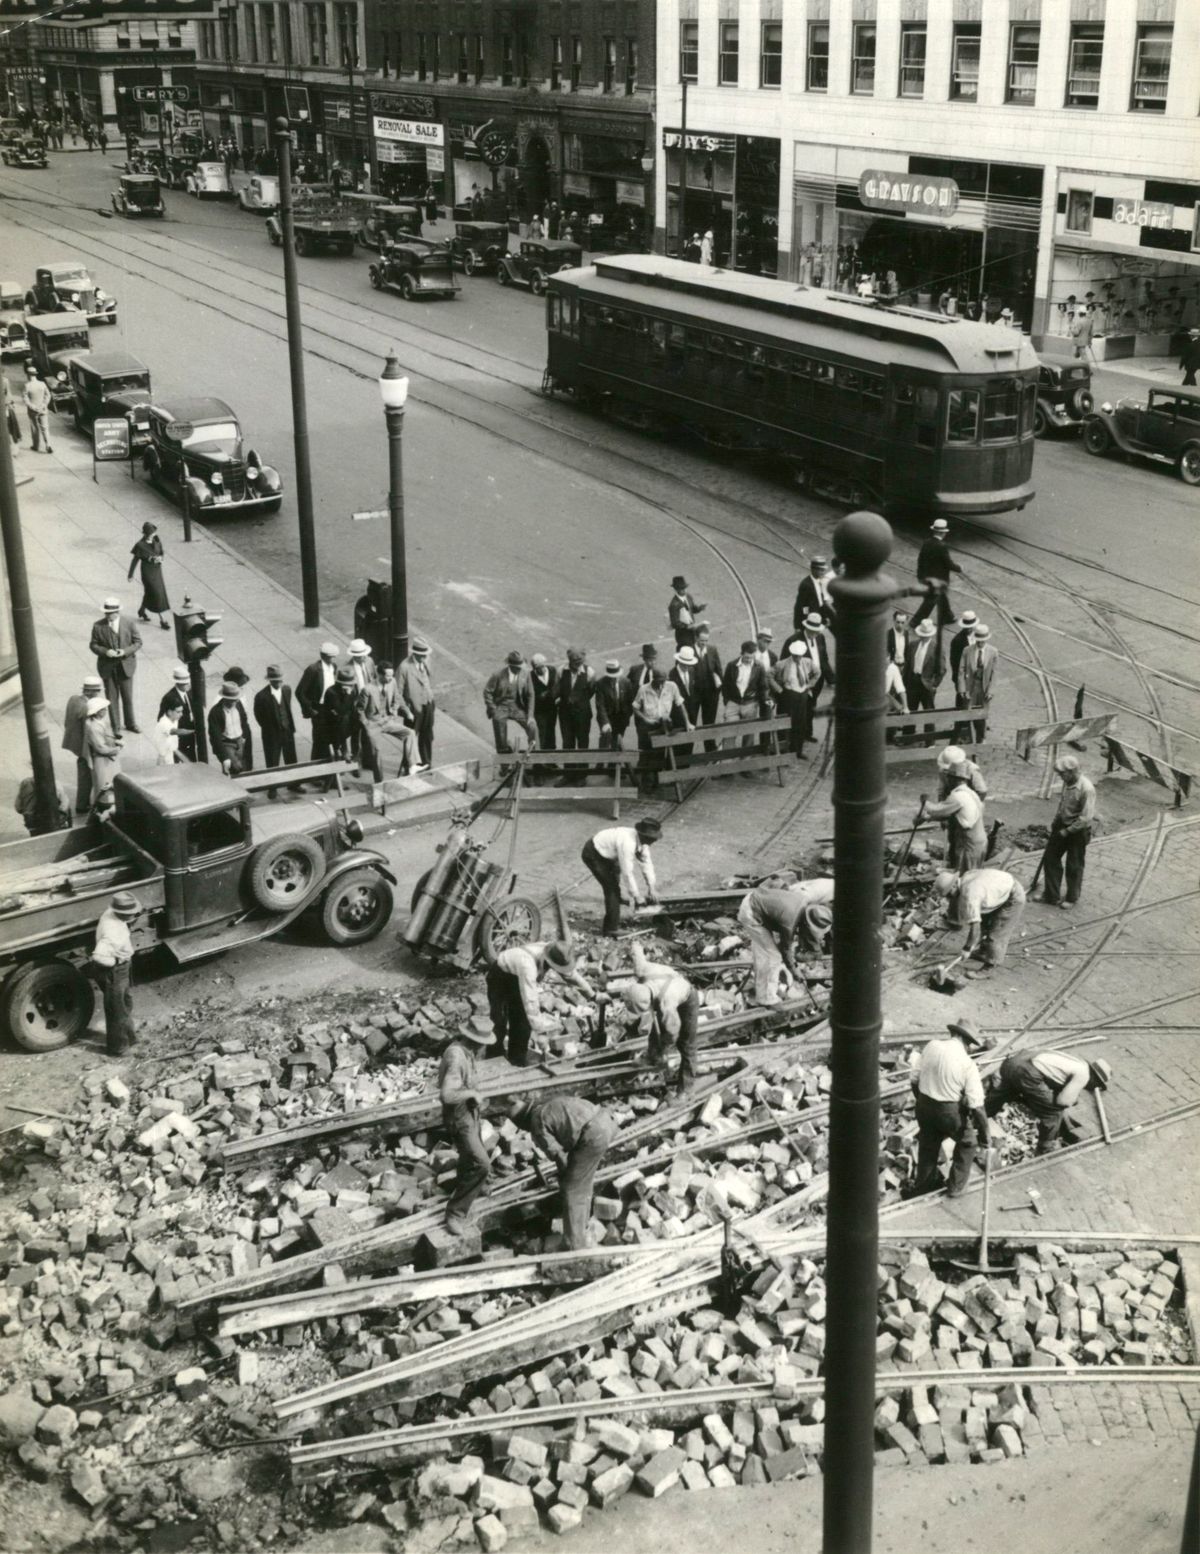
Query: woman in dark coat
x,y
149,553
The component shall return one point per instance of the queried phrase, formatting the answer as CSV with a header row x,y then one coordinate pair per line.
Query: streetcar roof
x,y
803,315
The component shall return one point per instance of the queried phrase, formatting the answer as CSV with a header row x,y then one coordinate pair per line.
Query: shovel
x,y
905,850
983,1266
941,981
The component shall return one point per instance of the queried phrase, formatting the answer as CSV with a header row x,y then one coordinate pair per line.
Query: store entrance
x,y
535,174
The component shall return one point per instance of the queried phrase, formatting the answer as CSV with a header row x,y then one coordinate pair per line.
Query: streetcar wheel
x,y
44,1006
515,920
356,907
1189,465
1097,438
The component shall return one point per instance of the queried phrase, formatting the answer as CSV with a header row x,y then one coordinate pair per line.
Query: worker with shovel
x,y
575,1134
459,1094
777,923
514,999
1048,1084
950,1105
989,903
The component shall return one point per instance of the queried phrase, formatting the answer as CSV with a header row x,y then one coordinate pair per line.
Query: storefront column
x,y
787,207
1044,269
108,98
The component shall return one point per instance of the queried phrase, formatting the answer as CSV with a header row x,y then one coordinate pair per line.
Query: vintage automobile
x,y
536,260
111,383
359,206
1166,428
13,339
1064,396
195,453
172,170
260,194
26,152
479,245
138,194
319,229
420,269
208,180
55,340
386,224
68,285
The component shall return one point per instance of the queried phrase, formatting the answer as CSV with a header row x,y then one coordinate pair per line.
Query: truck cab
x,y
55,339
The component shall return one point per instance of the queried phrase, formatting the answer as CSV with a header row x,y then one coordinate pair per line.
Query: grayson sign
x,y
411,132
1143,213
908,192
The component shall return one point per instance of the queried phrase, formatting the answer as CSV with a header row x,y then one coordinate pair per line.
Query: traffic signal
x,y
193,633
373,617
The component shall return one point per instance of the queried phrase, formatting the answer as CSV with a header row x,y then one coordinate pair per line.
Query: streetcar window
x,y
905,393
658,334
1000,405
962,416
873,393
848,384
676,337
822,372
591,314
926,417
554,315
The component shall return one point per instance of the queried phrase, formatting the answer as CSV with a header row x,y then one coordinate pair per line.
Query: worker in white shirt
x,y
950,1105
110,968
617,856
667,1007
962,810
777,923
514,1002
953,762
1048,1084
989,903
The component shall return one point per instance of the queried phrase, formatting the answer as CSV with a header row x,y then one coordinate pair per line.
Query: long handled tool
x,y
983,1265
1037,873
905,850
1103,1115
940,980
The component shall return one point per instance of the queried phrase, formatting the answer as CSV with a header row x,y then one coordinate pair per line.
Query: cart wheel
x,y
515,920
43,1007
284,871
419,887
355,908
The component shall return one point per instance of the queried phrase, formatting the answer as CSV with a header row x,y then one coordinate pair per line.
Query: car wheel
x,y
1097,438
406,288
470,263
537,283
43,1007
376,277
285,871
356,907
1082,402
503,276
1040,425
301,244
1189,464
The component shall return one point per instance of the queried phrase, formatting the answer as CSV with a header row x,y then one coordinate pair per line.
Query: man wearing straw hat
x,y
973,683
116,642
110,967
950,1105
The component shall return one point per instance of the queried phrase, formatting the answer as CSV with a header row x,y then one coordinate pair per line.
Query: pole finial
x,y
862,542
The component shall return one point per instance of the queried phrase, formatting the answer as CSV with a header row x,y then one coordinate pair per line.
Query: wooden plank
x,y
751,729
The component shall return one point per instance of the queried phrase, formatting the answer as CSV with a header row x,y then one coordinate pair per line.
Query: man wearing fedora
x,y
116,643
934,567
642,673
544,679
508,698
950,1105
709,671
683,613
514,1001
229,737
792,682
989,904
180,697
973,685
813,595
340,713
1048,1084
276,719
109,966
74,739
923,672
1070,833
575,686
613,701
311,690
458,1091
616,857
416,691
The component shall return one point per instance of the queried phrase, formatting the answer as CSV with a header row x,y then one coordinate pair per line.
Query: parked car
x,y
111,383
55,339
195,453
415,270
359,207
13,339
1166,428
138,194
535,260
260,193
385,224
173,170
1064,396
318,230
68,285
479,245
208,180
26,152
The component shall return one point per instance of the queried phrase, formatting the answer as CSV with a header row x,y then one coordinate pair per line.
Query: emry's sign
x,y
908,193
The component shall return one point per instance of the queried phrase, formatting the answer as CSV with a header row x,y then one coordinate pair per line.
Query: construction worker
x,y
777,922
667,1007
616,856
1048,1084
576,1135
953,761
989,904
513,998
457,1089
950,1105
962,810
1070,833
110,968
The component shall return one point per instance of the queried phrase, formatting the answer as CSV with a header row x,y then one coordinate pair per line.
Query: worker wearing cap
x,y
613,701
1070,833
990,904
109,966
953,763
950,1105
777,922
973,682
667,1007
576,1135
74,738
180,695
513,998
616,857
416,691
459,1094
116,643
229,736
1048,1084
314,685
962,810
934,567
508,698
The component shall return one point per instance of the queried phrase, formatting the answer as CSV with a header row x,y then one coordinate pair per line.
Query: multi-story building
x,y
1027,154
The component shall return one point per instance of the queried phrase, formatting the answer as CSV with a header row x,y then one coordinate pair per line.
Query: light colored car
x,y
13,341
208,180
260,193
69,285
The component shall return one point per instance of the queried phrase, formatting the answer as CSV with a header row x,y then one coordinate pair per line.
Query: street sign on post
x,y
111,443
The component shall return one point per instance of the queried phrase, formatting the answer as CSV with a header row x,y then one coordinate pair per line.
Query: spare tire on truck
x,y
44,1006
285,871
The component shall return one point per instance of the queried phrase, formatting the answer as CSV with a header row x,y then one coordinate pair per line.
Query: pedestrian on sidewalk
x,y
973,683
1190,358
746,689
508,698
1048,1084
576,685
340,714
148,554
687,714
26,805
989,904
614,705
458,1089
180,696
709,672
544,678
667,1007
950,1105
934,567
116,643
272,707
37,408
362,664
576,1134
110,968
813,594
229,737
961,639
657,709
9,413
315,684
777,923
89,137
792,681
74,738
166,737
1070,833
819,644
962,812
923,672
102,140
616,857
382,711
416,690
1081,333
513,997
683,612
537,228
102,751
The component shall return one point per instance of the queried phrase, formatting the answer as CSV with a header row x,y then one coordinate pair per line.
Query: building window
x,y
422,67
478,58
270,42
318,36
463,66
174,36
1083,66
631,66
770,66
435,56
817,76
576,62
727,72
1079,210
148,31
207,40
964,64
862,62
1151,69
506,59
285,37
1023,44
689,51
123,39
912,60
251,35
610,64
347,34
556,63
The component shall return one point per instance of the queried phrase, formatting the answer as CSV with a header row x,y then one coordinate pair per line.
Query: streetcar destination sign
x,y
880,190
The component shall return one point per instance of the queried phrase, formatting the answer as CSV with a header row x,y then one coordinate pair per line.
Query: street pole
x,y
683,173
862,542
37,723
393,387
304,500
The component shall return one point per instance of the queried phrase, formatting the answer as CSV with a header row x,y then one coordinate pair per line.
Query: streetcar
x,y
869,404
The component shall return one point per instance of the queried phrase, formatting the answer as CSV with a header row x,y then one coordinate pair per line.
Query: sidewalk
x,y
78,537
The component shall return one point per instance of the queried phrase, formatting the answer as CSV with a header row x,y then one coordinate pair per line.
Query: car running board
x,y
215,939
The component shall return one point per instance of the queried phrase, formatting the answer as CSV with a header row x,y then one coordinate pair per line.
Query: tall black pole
x,y
683,173
394,415
37,723
862,542
304,500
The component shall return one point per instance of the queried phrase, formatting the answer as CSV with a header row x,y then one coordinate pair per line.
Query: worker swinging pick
x,y
576,1135
667,1007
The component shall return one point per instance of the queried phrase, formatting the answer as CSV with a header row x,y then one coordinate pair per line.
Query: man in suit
x,y
614,705
973,684
683,675
642,673
229,736
709,670
544,678
967,623
381,711
115,642
818,644
180,697
923,672
898,638
508,698
340,715
416,692
813,594
363,665
575,686
314,685
792,681
934,566
274,715
745,688
74,719
682,611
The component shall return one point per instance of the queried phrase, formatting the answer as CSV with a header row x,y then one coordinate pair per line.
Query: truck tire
x,y
285,871
42,1007
356,907
515,920
301,244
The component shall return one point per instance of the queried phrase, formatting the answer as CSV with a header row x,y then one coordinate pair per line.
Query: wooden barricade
x,y
943,725
613,765
757,745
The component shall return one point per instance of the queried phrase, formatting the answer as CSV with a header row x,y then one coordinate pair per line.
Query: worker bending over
x,y
989,903
575,1134
616,857
950,1105
1048,1084
777,923
460,1117
514,1001
667,1007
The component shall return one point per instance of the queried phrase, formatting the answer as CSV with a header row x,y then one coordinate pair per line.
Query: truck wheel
x,y
1096,438
516,920
301,244
356,907
284,871
43,1007
1189,464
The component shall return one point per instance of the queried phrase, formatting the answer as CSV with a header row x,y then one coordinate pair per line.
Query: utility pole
x,y
393,389
862,542
683,172
37,723
304,500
